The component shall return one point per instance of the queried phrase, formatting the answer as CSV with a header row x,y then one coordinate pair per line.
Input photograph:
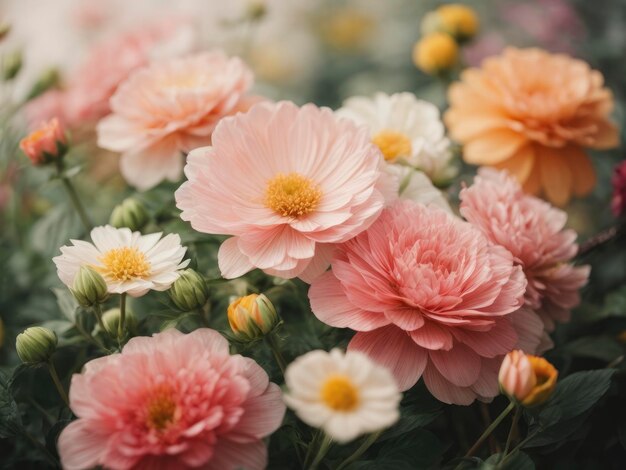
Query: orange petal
x,y
533,184
607,136
521,164
465,125
493,147
582,171
556,177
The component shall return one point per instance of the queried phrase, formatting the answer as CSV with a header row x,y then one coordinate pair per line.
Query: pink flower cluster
x,y
86,97
533,231
430,296
172,401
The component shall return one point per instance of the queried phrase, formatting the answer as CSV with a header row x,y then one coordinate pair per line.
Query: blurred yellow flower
x,y
436,53
460,21
347,29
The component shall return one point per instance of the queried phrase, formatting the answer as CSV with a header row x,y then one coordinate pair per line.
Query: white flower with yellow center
x,y
128,261
346,395
406,130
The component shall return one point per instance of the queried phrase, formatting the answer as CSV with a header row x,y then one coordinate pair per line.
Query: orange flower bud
x,y
252,316
530,380
46,144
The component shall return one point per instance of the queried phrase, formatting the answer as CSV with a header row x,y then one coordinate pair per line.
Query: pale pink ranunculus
x,y
431,297
533,231
288,183
45,143
170,107
85,98
171,401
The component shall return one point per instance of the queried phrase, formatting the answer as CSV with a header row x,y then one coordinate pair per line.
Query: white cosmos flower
x,y
344,394
128,261
405,128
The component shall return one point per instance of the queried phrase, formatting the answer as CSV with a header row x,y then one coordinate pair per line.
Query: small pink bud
x,y
45,144
516,376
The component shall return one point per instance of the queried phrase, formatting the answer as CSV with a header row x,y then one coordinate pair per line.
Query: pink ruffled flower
x,y
172,401
618,203
288,183
86,97
533,231
429,296
168,108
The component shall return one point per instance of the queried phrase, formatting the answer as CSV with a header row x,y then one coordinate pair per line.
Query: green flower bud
x,y
130,213
48,79
111,320
89,287
11,65
36,344
190,291
252,317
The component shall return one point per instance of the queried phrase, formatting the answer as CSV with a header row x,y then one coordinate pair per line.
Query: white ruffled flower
x,y
405,128
344,394
128,261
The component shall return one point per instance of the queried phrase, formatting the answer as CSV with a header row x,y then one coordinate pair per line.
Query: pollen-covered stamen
x,y
124,264
161,410
339,393
292,195
392,144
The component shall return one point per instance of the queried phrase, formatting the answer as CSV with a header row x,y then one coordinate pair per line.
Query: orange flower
x,y
533,114
46,143
527,379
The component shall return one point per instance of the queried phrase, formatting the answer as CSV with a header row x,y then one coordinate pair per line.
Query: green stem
x,y
272,342
97,311
312,447
509,439
43,449
489,430
517,448
360,451
122,323
321,452
57,382
71,191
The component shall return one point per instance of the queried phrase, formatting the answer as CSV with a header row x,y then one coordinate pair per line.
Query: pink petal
x,y
460,365
232,262
80,446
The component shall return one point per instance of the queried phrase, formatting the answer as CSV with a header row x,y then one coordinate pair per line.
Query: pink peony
x,y
172,401
533,231
287,183
618,202
168,108
86,98
428,295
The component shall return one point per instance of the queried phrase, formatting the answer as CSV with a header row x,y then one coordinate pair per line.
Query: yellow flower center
x,y
392,144
292,195
161,409
339,393
125,264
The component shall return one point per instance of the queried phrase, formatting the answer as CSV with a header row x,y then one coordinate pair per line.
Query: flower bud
x,y
36,344
190,291
11,65
45,144
459,21
256,9
130,213
89,287
5,29
436,53
111,320
252,316
48,79
527,379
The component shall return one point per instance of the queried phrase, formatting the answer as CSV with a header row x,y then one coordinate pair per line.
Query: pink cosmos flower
x,y
171,107
172,401
533,231
108,63
429,296
287,183
618,202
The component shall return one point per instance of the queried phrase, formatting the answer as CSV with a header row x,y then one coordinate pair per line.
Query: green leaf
x,y
67,303
412,417
422,450
54,229
517,461
10,421
566,411
604,348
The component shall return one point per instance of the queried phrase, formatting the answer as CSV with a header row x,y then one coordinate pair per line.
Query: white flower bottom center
x,y
292,195
124,264
392,144
339,393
